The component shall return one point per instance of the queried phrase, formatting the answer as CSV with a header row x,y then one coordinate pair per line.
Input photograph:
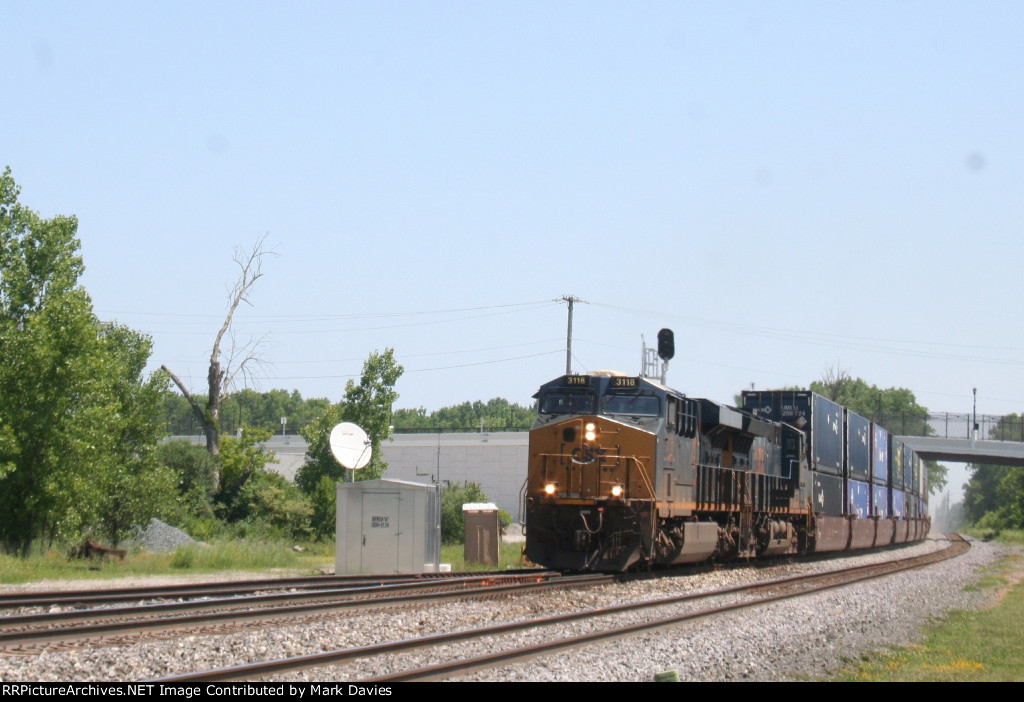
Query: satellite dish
x,y
350,445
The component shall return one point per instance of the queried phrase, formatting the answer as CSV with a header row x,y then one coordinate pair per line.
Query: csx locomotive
x,y
625,472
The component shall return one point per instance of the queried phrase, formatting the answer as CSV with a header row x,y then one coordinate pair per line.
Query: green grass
x,y
217,557
509,556
983,646
1005,536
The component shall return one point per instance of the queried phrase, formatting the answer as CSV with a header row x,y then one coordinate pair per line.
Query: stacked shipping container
x,y
863,480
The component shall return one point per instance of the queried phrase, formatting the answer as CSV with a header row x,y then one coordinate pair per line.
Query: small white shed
x,y
388,526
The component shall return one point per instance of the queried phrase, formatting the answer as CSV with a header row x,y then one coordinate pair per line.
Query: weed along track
x,y
584,630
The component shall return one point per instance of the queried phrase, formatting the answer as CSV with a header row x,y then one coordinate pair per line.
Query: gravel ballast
x,y
798,639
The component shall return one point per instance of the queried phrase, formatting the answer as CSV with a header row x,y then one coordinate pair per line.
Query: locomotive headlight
x,y
550,488
590,431
617,491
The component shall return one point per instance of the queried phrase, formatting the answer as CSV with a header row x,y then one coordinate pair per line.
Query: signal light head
x,y
666,344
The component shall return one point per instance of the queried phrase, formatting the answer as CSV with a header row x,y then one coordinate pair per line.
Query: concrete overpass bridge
x,y
935,448
963,438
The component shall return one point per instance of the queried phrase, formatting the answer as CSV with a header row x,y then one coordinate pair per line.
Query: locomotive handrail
x,y
653,497
522,503
643,475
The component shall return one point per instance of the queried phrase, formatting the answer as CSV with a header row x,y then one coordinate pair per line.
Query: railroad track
x,y
77,598
666,611
28,633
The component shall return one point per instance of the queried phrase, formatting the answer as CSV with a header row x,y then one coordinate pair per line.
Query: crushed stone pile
x,y
158,537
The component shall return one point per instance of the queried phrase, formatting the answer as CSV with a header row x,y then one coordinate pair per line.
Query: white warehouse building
x,y
495,460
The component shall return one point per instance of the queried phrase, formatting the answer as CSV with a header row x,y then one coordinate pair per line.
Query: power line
x,y
846,341
419,370
325,317
404,355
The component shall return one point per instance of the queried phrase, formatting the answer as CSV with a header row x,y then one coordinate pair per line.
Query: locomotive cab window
x,y
563,402
631,404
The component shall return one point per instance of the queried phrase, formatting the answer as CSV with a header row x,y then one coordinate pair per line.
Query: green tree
x,y
264,410
240,458
195,471
178,417
323,500
368,404
453,524
260,410
994,495
130,496
251,496
275,507
77,428
982,493
896,409
133,485
497,414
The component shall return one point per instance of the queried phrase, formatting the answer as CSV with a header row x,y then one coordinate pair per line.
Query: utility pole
x,y
974,421
568,334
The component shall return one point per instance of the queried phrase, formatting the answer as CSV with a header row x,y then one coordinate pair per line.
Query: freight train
x,y
626,473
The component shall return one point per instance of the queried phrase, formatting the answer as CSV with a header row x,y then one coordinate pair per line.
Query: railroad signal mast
x,y
665,351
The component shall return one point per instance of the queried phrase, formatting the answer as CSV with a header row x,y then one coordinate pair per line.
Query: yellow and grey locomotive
x,y
625,472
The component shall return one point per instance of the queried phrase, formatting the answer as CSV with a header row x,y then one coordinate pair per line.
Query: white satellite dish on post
x,y
350,445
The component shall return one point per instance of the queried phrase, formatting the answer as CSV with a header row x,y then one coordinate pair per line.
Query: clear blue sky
x,y
791,186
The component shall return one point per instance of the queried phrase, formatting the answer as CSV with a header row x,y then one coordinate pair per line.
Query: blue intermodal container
x,y
858,446
818,417
879,455
880,501
899,510
859,499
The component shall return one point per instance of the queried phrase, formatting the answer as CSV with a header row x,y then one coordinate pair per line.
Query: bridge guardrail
x,y
954,425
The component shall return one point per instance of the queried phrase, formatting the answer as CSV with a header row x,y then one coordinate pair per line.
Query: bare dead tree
x,y
834,378
240,358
